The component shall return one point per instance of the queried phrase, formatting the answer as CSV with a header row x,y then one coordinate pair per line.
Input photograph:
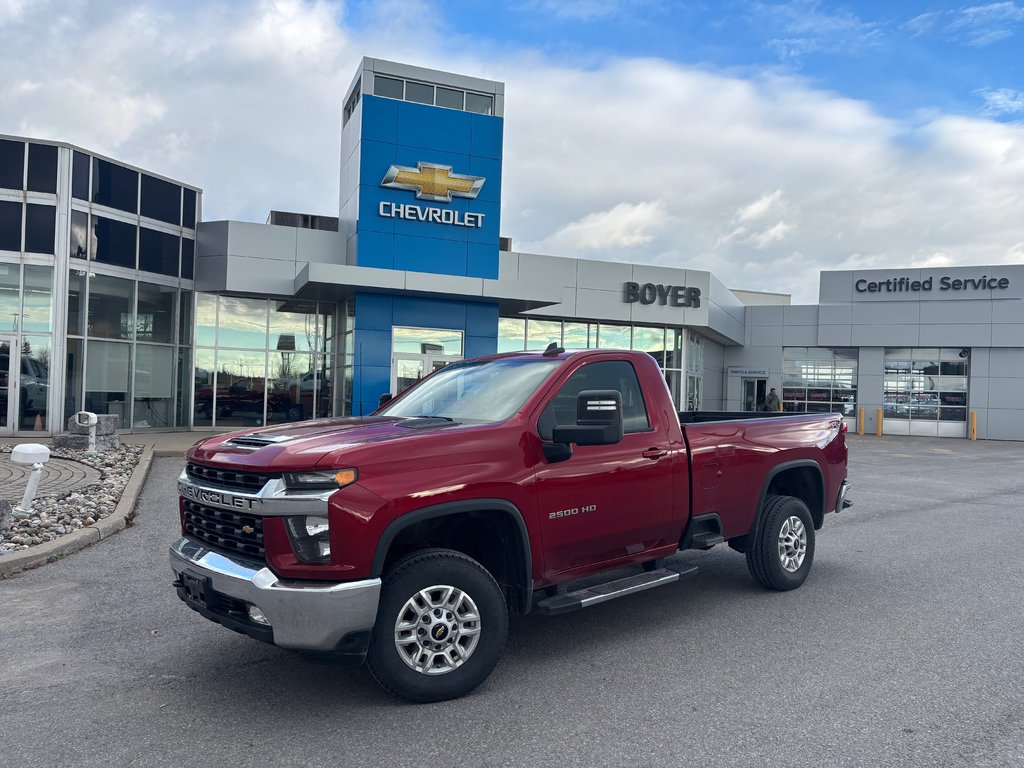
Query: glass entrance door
x,y
8,385
754,391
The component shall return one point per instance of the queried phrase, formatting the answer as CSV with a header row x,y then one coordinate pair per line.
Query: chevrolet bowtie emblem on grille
x,y
433,182
248,529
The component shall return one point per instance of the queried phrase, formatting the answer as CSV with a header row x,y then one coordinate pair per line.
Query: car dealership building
x,y
116,297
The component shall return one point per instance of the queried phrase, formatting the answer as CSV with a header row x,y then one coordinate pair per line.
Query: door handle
x,y
654,453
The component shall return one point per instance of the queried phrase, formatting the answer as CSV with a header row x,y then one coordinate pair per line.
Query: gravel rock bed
x,y
58,515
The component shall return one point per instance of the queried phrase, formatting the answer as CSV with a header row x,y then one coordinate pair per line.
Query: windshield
x,y
484,392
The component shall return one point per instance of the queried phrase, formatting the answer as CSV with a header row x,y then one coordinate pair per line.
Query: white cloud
x,y
976,25
1003,101
761,180
624,226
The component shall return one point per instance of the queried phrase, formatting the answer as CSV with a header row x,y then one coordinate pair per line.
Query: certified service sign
x,y
434,182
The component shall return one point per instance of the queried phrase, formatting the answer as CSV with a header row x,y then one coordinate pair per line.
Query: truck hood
x,y
301,445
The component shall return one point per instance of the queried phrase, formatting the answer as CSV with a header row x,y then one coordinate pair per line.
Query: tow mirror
x,y
598,419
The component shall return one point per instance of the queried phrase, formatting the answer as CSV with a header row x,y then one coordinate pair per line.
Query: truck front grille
x,y
229,478
225,531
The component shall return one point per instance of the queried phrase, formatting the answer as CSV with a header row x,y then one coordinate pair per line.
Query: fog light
x,y
310,537
258,616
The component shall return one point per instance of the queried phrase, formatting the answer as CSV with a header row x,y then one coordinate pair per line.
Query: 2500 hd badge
x,y
573,511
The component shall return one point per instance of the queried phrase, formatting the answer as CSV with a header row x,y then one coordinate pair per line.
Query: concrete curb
x,y
83,537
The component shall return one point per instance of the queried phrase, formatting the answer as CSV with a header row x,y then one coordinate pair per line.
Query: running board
x,y
602,593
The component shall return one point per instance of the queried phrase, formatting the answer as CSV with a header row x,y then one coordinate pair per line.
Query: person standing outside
x,y
772,402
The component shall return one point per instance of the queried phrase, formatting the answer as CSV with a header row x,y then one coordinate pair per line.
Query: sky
x,y
762,141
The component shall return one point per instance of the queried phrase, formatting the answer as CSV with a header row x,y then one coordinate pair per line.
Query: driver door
x,y
606,501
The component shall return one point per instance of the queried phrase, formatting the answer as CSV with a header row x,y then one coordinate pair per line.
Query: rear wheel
x,y
781,554
441,627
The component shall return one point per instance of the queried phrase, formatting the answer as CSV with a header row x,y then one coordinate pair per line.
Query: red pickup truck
x,y
410,536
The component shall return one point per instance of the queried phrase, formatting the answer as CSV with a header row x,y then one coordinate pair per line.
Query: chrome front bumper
x,y
303,615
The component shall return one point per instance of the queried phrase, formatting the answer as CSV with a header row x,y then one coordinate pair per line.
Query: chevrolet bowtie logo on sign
x,y
433,182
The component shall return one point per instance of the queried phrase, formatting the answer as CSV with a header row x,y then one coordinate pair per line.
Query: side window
x,y
610,374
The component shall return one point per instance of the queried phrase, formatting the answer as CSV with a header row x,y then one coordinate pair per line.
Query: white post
x,y
34,455
25,508
87,419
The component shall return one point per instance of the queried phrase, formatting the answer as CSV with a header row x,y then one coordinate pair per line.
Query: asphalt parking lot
x,y
904,647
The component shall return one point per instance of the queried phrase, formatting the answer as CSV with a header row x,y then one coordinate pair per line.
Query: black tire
x,y
764,560
419,571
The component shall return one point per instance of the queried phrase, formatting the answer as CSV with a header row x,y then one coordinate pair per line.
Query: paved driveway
x,y
905,647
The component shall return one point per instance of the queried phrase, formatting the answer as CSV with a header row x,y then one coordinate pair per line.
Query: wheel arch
x,y
491,531
801,478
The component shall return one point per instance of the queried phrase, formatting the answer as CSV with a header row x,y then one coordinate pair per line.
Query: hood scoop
x,y
257,441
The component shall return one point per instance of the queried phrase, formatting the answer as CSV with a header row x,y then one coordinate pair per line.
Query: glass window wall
x,y
79,235
108,372
12,164
111,307
80,176
40,228
158,252
541,333
245,376
42,168
923,388
161,200
115,186
819,380
33,411
10,226
155,315
37,311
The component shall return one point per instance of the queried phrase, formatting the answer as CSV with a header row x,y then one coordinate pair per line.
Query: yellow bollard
x,y
974,425
860,421
878,424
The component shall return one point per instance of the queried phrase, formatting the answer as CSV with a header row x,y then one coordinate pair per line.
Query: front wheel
x,y
441,627
783,549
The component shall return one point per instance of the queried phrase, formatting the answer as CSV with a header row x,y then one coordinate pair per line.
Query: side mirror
x,y
598,419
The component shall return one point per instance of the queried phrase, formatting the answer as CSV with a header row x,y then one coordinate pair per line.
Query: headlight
x,y
310,537
334,478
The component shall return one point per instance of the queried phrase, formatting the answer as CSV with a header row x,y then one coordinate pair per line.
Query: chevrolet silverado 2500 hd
x,y
410,537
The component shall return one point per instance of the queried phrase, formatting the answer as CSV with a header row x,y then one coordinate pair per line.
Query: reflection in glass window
x,y
111,307
477,102
242,323
511,334
35,383
154,319
80,176
188,258
114,242
419,93
10,226
188,215
115,186
12,164
185,318
291,387
73,377
183,387
388,87
925,384
206,319
241,381
449,97
160,200
541,333
40,228
158,252
296,327
613,336
579,335
203,379
10,299
426,341
819,380
154,387
79,235
76,302
37,312
107,378
651,341
42,168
